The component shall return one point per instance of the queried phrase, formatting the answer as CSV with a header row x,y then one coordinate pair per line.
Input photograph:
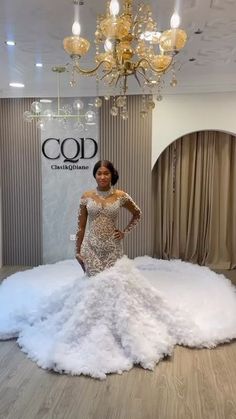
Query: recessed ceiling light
x,y
16,85
10,43
38,65
45,101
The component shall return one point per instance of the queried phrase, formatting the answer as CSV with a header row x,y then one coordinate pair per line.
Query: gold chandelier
x,y
128,44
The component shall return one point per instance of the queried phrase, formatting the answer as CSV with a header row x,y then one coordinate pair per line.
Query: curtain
x,y
194,186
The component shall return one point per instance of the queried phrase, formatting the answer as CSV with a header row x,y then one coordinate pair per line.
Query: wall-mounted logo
x,y
71,149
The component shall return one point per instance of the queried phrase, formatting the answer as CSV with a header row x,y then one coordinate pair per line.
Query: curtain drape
x,y
194,185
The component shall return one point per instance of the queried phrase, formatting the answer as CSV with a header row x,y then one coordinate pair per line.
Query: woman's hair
x,y
110,167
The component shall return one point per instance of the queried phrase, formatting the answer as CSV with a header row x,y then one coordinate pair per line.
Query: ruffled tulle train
x,y
132,313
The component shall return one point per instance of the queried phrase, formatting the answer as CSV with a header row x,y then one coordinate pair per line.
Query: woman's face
x,y
103,177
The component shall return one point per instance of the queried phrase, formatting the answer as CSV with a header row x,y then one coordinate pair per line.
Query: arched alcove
x,y
194,193
179,115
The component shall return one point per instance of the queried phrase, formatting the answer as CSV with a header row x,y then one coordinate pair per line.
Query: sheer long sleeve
x,y
81,224
131,206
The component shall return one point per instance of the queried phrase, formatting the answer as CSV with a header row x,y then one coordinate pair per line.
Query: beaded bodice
x,y
99,209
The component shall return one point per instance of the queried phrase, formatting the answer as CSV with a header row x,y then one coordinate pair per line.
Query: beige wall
x,y
177,115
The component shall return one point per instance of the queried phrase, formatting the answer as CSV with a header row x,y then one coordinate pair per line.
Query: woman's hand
x,y
118,234
80,260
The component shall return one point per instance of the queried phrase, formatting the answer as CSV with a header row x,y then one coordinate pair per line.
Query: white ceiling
x,y
39,26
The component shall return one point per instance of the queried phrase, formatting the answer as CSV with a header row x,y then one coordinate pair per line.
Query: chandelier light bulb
x,y
175,21
76,28
78,104
114,7
108,45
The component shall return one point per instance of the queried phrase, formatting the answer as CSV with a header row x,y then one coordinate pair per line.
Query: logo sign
x,y
72,150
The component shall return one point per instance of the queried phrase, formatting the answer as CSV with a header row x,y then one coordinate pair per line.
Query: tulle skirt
x,y
132,313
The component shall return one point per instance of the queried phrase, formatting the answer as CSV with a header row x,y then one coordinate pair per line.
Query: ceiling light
x,y
133,47
62,113
38,65
10,43
16,84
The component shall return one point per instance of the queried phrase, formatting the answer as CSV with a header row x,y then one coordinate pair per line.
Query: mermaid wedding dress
x,y
121,312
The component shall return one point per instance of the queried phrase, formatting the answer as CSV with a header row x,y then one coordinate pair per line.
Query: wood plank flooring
x,y
192,384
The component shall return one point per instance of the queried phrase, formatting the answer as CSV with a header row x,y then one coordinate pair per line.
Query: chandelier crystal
x,y
128,43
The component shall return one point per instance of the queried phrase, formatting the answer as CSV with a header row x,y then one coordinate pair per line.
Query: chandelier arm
x,y
144,60
135,75
117,79
113,78
92,71
144,76
106,74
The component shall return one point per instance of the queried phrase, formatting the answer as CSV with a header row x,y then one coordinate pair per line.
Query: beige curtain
x,y
194,183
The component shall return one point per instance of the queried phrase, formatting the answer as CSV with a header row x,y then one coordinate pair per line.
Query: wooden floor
x,y
192,384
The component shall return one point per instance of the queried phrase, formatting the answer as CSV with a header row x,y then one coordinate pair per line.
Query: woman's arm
x,y
131,206
81,225
128,203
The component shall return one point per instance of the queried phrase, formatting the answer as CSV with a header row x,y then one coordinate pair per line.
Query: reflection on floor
x,y
6,271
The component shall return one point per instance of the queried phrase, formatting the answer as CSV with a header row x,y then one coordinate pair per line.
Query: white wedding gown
x,y
132,313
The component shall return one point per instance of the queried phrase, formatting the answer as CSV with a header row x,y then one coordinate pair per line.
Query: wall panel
x,y
128,145
21,185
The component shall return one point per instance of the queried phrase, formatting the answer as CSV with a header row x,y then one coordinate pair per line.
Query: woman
x,y
120,313
102,245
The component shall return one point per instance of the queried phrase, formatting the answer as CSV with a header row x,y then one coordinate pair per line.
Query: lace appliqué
x,y
81,223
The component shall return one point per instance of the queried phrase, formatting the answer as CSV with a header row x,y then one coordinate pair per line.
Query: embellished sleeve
x,y
128,203
81,223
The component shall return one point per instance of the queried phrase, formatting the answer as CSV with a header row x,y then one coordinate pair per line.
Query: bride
x,y
102,246
109,313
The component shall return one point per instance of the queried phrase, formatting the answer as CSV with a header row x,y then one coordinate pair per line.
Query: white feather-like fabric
x,y
132,313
